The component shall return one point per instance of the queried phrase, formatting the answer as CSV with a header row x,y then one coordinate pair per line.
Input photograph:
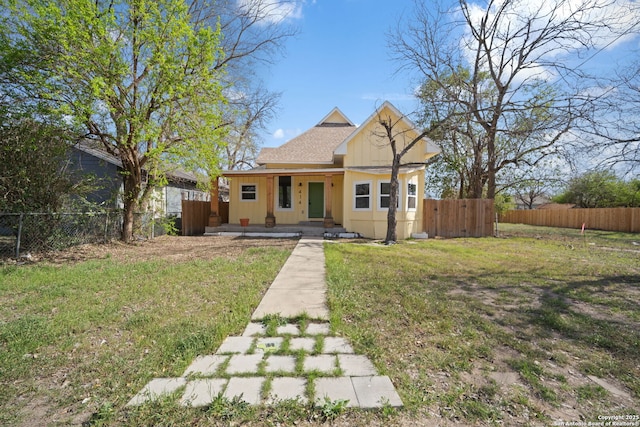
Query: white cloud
x,y
286,134
271,12
510,32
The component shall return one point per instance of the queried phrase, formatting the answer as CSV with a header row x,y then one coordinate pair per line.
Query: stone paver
x,y
325,363
284,388
339,388
317,329
288,329
205,365
281,364
375,392
353,365
299,288
306,344
247,389
244,364
336,345
156,388
254,329
202,392
235,345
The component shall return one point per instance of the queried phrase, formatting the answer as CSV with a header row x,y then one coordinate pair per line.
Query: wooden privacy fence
x,y
195,217
458,218
610,219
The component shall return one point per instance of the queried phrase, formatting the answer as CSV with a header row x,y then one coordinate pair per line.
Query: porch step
x,y
289,230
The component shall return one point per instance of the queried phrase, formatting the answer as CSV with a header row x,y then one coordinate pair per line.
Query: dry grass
x,y
515,331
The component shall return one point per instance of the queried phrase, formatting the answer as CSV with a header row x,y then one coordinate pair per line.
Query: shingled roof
x,y
315,146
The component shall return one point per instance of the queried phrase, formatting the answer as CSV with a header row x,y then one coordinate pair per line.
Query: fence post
x,y
19,236
106,225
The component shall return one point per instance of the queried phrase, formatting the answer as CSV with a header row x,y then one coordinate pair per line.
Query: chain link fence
x,y
22,234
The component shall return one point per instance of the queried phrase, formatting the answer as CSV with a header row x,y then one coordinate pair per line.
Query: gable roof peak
x,y
335,118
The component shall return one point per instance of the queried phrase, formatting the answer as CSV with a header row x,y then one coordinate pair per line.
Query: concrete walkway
x,y
302,361
300,286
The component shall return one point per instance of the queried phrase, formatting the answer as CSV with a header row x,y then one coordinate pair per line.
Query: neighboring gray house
x,y
106,169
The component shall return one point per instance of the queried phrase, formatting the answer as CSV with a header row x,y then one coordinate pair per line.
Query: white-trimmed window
x,y
412,195
285,195
248,192
384,195
362,195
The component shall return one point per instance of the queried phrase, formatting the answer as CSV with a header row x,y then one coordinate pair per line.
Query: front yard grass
x,y
534,327
527,329
79,339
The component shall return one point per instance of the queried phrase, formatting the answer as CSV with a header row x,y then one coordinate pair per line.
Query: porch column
x,y
270,220
328,199
214,217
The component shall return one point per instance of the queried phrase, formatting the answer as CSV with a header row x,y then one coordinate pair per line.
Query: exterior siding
x,y
368,149
107,175
257,211
372,222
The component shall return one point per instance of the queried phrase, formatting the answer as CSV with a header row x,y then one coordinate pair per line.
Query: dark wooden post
x,y
328,199
214,217
270,220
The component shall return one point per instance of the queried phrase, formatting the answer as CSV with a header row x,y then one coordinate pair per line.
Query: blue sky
x,y
339,59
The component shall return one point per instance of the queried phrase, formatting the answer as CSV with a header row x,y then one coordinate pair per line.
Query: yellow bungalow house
x,y
335,174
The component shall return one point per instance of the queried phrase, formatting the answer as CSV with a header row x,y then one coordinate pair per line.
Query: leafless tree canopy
x,y
505,80
254,35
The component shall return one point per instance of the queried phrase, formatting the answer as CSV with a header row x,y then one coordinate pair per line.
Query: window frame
x,y
254,192
412,196
356,196
380,195
277,195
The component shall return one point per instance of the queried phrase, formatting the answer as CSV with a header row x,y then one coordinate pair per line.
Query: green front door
x,y
316,200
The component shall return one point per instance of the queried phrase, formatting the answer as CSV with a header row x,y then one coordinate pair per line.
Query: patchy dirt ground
x,y
170,248
561,367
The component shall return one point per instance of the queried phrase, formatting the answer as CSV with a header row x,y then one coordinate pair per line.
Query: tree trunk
x,y
491,185
393,202
132,187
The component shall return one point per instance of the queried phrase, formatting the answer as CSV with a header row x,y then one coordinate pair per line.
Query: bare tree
x,y
504,79
613,135
253,110
401,139
254,35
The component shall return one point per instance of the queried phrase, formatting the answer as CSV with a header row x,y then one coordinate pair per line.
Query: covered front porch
x,y
314,229
268,198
